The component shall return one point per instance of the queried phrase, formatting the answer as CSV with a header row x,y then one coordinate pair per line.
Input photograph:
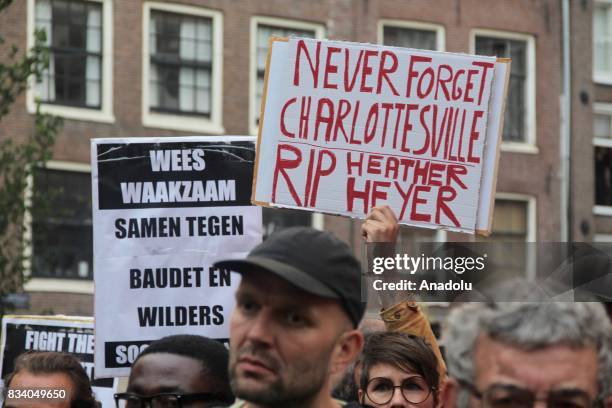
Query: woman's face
x,y
392,387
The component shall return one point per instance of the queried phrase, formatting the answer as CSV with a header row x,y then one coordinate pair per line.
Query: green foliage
x,y
18,158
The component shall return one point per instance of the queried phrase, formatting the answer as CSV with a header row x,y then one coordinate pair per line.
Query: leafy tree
x,y
19,158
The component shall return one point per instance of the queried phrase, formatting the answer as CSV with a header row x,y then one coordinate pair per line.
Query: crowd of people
x,y
298,340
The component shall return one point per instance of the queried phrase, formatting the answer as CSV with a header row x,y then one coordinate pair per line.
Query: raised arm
x,y
400,311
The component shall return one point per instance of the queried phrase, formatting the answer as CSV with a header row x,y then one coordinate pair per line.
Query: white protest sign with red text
x,y
346,127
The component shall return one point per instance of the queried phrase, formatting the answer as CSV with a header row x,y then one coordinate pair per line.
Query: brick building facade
x,y
151,68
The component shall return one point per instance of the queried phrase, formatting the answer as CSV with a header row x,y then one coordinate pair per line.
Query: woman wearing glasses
x,y
398,370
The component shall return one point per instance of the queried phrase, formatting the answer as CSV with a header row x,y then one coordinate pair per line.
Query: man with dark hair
x,y
295,322
178,370
52,371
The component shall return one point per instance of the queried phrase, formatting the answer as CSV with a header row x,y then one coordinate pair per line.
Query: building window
x,y
510,221
408,34
513,228
74,38
78,82
602,41
519,118
262,29
180,48
62,235
602,141
182,68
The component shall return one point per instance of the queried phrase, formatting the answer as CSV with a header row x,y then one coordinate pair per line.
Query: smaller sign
x,y
164,210
73,335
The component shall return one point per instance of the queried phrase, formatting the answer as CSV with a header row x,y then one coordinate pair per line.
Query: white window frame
x,y
602,238
602,77
105,113
529,145
212,125
319,30
416,25
51,284
603,109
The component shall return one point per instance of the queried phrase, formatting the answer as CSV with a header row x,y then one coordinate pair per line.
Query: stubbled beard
x,y
301,384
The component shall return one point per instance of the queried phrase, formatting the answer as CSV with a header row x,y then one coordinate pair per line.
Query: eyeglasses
x,y
511,396
167,400
380,390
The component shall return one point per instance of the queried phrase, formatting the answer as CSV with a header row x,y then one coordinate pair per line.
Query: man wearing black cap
x,y
297,310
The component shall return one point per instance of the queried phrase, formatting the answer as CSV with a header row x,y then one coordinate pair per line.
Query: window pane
x,y
409,37
514,118
603,175
602,38
188,39
509,252
264,32
602,126
43,18
181,55
70,78
186,90
167,33
204,41
62,231
74,34
167,87
203,91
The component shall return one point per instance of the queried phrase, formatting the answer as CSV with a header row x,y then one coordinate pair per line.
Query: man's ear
x,y
347,349
449,391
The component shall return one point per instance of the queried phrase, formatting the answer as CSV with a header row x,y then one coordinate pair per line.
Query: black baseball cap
x,y
312,260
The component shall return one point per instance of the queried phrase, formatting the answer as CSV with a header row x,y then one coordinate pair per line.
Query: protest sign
x,y
164,209
73,335
346,127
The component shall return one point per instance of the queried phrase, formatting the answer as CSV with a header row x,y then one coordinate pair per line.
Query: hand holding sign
x,y
349,127
380,225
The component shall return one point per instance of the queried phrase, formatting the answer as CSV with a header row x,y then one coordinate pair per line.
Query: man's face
x,y
282,340
569,373
165,372
25,380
